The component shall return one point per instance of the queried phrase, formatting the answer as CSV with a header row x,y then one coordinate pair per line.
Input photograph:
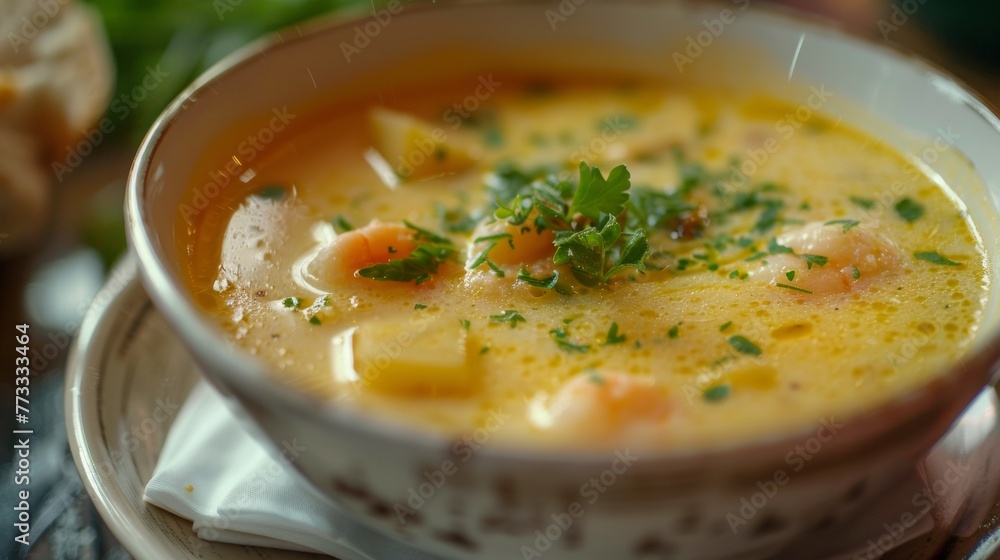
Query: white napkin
x,y
215,474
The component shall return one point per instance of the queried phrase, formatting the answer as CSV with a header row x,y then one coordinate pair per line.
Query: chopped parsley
x,y
909,210
725,326
790,287
596,248
559,335
419,306
274,193
717,393
935,258
484,349
775,248
811,260
548,283
484,256
674,331
465,323
613,336
857,273
790,275
341,224
314,320
423,261
866,203
744,346
292,302
737,274
847,224
510,317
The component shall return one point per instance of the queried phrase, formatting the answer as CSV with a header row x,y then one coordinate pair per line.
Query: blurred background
x,y
66,66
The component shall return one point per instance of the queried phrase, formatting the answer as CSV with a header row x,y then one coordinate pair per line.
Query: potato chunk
x,y
401,355
524,245
416,149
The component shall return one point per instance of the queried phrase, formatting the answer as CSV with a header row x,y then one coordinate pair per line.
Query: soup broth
x,y
588,264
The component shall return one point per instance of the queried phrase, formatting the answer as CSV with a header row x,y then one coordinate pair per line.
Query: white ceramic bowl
x,y
502,503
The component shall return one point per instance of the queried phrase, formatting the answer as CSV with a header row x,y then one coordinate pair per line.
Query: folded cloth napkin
x,y
210,471
214,473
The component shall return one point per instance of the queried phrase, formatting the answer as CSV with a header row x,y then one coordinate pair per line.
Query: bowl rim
x,y
205,339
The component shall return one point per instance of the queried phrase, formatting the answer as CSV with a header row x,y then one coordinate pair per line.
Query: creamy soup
x,y
578,264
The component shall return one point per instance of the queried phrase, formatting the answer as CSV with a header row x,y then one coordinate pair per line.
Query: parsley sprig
x,y
588,236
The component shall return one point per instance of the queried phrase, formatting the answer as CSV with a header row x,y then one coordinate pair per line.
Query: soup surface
x,y
579,264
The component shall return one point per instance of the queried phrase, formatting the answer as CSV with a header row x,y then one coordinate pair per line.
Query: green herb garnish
x,y
818,260
510,317
342,225
420,264
790,275
291,302
465,323
419,306
725,326
613,336
314,320
548,283
559,335
674,331
717,393
775,248
744,346
847,224
790,287
865,203
274,193
909,210
857,273
935,257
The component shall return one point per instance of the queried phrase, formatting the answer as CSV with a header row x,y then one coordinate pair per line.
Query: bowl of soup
x,y
610,280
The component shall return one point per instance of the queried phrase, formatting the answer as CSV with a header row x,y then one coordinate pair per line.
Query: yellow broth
x,y
719,340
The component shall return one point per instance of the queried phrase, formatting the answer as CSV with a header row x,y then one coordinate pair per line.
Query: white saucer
x,y
128,374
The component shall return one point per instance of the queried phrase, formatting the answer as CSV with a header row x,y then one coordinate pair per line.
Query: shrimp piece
x,y
603,406
524,245
372,244
853,258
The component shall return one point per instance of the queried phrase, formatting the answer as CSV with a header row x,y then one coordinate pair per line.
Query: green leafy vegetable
x,y
818,260
909,210
935,258
744,346
419,306
548,283
857,273
423,261
847,224
717,393
595,195
866,203
292,302
314,320
559,335
790,275
725,326
790,287
613,336
774,248
674,331
342,225
510,317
